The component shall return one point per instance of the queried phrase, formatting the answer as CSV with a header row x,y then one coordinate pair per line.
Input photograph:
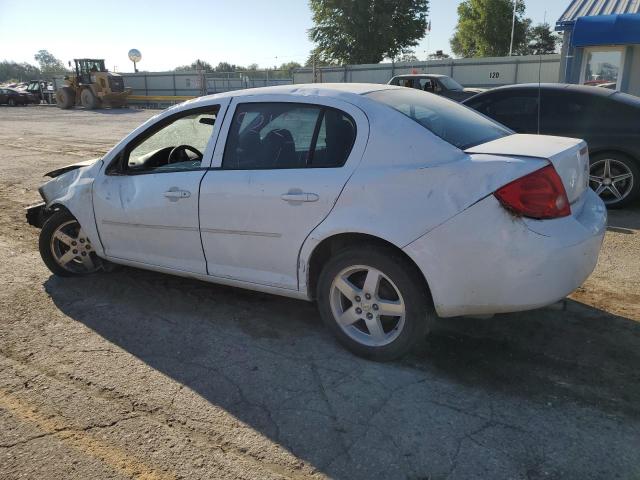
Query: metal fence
x,y
195,83
470,72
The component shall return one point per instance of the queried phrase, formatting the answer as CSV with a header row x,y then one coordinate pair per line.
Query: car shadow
x,y
625,220
270,363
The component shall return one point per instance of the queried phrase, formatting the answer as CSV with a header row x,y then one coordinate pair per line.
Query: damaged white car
x,y
385,205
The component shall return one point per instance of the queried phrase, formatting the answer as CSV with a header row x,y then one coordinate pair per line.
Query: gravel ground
x,y
136,374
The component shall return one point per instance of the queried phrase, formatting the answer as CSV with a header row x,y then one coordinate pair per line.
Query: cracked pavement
x,y
136,374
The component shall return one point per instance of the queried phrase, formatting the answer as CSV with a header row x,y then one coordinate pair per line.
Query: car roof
x,y
344,90
420,75
588,89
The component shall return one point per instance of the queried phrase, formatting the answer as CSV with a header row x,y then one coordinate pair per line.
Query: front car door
x,y
275,179
146,203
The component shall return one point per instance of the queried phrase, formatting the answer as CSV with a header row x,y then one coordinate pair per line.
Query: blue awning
x,y
607,30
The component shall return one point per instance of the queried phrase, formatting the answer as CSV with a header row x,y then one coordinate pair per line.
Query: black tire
x,y
88,99
65,97
11,102
48,229
631,189
408,280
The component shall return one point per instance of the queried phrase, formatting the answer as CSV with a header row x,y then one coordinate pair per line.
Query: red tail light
x,y
537,195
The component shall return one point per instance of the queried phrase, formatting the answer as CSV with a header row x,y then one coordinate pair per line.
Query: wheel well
x,y
330,246
603,151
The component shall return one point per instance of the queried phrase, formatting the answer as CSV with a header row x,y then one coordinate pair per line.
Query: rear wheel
x,y
65,97
374,301
615,177
65,248
88,99
11,102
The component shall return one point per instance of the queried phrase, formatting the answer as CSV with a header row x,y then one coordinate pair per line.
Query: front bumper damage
x,y
36,214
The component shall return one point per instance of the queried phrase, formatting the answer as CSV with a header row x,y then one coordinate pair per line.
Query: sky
x,y
170,33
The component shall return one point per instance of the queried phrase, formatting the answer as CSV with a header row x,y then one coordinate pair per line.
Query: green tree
x,y
407,57
366,31
48,63
484,28
17,72
195,65
542,40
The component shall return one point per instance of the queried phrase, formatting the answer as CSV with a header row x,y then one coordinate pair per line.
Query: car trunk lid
x,y
569,156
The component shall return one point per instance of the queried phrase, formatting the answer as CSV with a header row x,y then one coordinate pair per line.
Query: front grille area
x,y
116,84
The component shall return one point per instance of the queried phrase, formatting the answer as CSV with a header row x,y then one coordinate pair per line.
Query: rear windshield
x,y
454,123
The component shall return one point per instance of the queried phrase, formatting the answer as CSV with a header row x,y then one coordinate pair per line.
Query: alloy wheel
x,y
611,179
367,305
72,250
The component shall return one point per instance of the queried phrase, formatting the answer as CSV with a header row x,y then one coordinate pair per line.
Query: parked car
x,y
383,204
438,84
607,120
11,97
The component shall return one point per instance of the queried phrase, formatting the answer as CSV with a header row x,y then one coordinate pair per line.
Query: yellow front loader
x,y
92,86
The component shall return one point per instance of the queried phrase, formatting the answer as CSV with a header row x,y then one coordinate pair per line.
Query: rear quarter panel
x,y
409,182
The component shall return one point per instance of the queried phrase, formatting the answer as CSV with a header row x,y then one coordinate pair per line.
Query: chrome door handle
x,y
300,197
175,194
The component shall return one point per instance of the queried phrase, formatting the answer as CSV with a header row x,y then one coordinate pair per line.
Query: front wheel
x,y
65,248
11,102
374,301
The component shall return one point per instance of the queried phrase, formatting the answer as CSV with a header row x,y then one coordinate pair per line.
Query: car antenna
x,y
544,22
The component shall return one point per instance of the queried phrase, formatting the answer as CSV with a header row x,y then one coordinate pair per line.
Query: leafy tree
x,y
366,31
18,72
48,63
542,40
289,67
195,65
407,57
320,61
484,28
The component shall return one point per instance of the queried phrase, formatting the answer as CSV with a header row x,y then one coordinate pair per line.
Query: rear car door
x,y
275,179
516,109
146,204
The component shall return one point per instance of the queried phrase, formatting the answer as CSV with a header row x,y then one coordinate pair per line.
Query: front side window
x,y
454,123
287,135
174,146
450,84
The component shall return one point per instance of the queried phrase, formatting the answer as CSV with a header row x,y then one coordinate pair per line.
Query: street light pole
x,y
513,26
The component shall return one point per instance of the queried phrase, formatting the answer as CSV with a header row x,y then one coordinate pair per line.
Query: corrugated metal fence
x,y
470,72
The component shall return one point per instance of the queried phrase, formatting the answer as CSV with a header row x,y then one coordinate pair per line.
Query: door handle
x,y
175,194
300,197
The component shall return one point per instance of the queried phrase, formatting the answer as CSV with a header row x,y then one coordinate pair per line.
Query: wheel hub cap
x,y
367,305
611,179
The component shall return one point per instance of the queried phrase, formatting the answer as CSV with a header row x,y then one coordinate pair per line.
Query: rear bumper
x,y
486,261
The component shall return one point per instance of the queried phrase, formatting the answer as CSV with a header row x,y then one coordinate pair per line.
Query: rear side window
x,y
287,135
454,123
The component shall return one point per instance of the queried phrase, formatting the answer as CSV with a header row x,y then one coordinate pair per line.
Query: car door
x,y
146,203
278,176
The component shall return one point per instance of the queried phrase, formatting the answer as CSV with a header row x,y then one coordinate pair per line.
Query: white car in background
x,y
381,203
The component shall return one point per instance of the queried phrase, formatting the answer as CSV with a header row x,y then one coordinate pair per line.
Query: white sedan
x,y
386,205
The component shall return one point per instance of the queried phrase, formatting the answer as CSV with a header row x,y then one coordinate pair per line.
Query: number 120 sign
x,y
494,74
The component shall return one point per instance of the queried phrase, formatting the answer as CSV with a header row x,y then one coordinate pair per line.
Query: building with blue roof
x,y
601,44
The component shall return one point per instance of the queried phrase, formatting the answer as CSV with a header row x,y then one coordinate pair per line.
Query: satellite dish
x,y
135,55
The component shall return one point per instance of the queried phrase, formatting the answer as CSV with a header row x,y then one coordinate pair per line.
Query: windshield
x,y
450,84
454,123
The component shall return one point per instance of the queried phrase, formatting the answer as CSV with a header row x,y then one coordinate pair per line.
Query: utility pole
x,y
513,26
